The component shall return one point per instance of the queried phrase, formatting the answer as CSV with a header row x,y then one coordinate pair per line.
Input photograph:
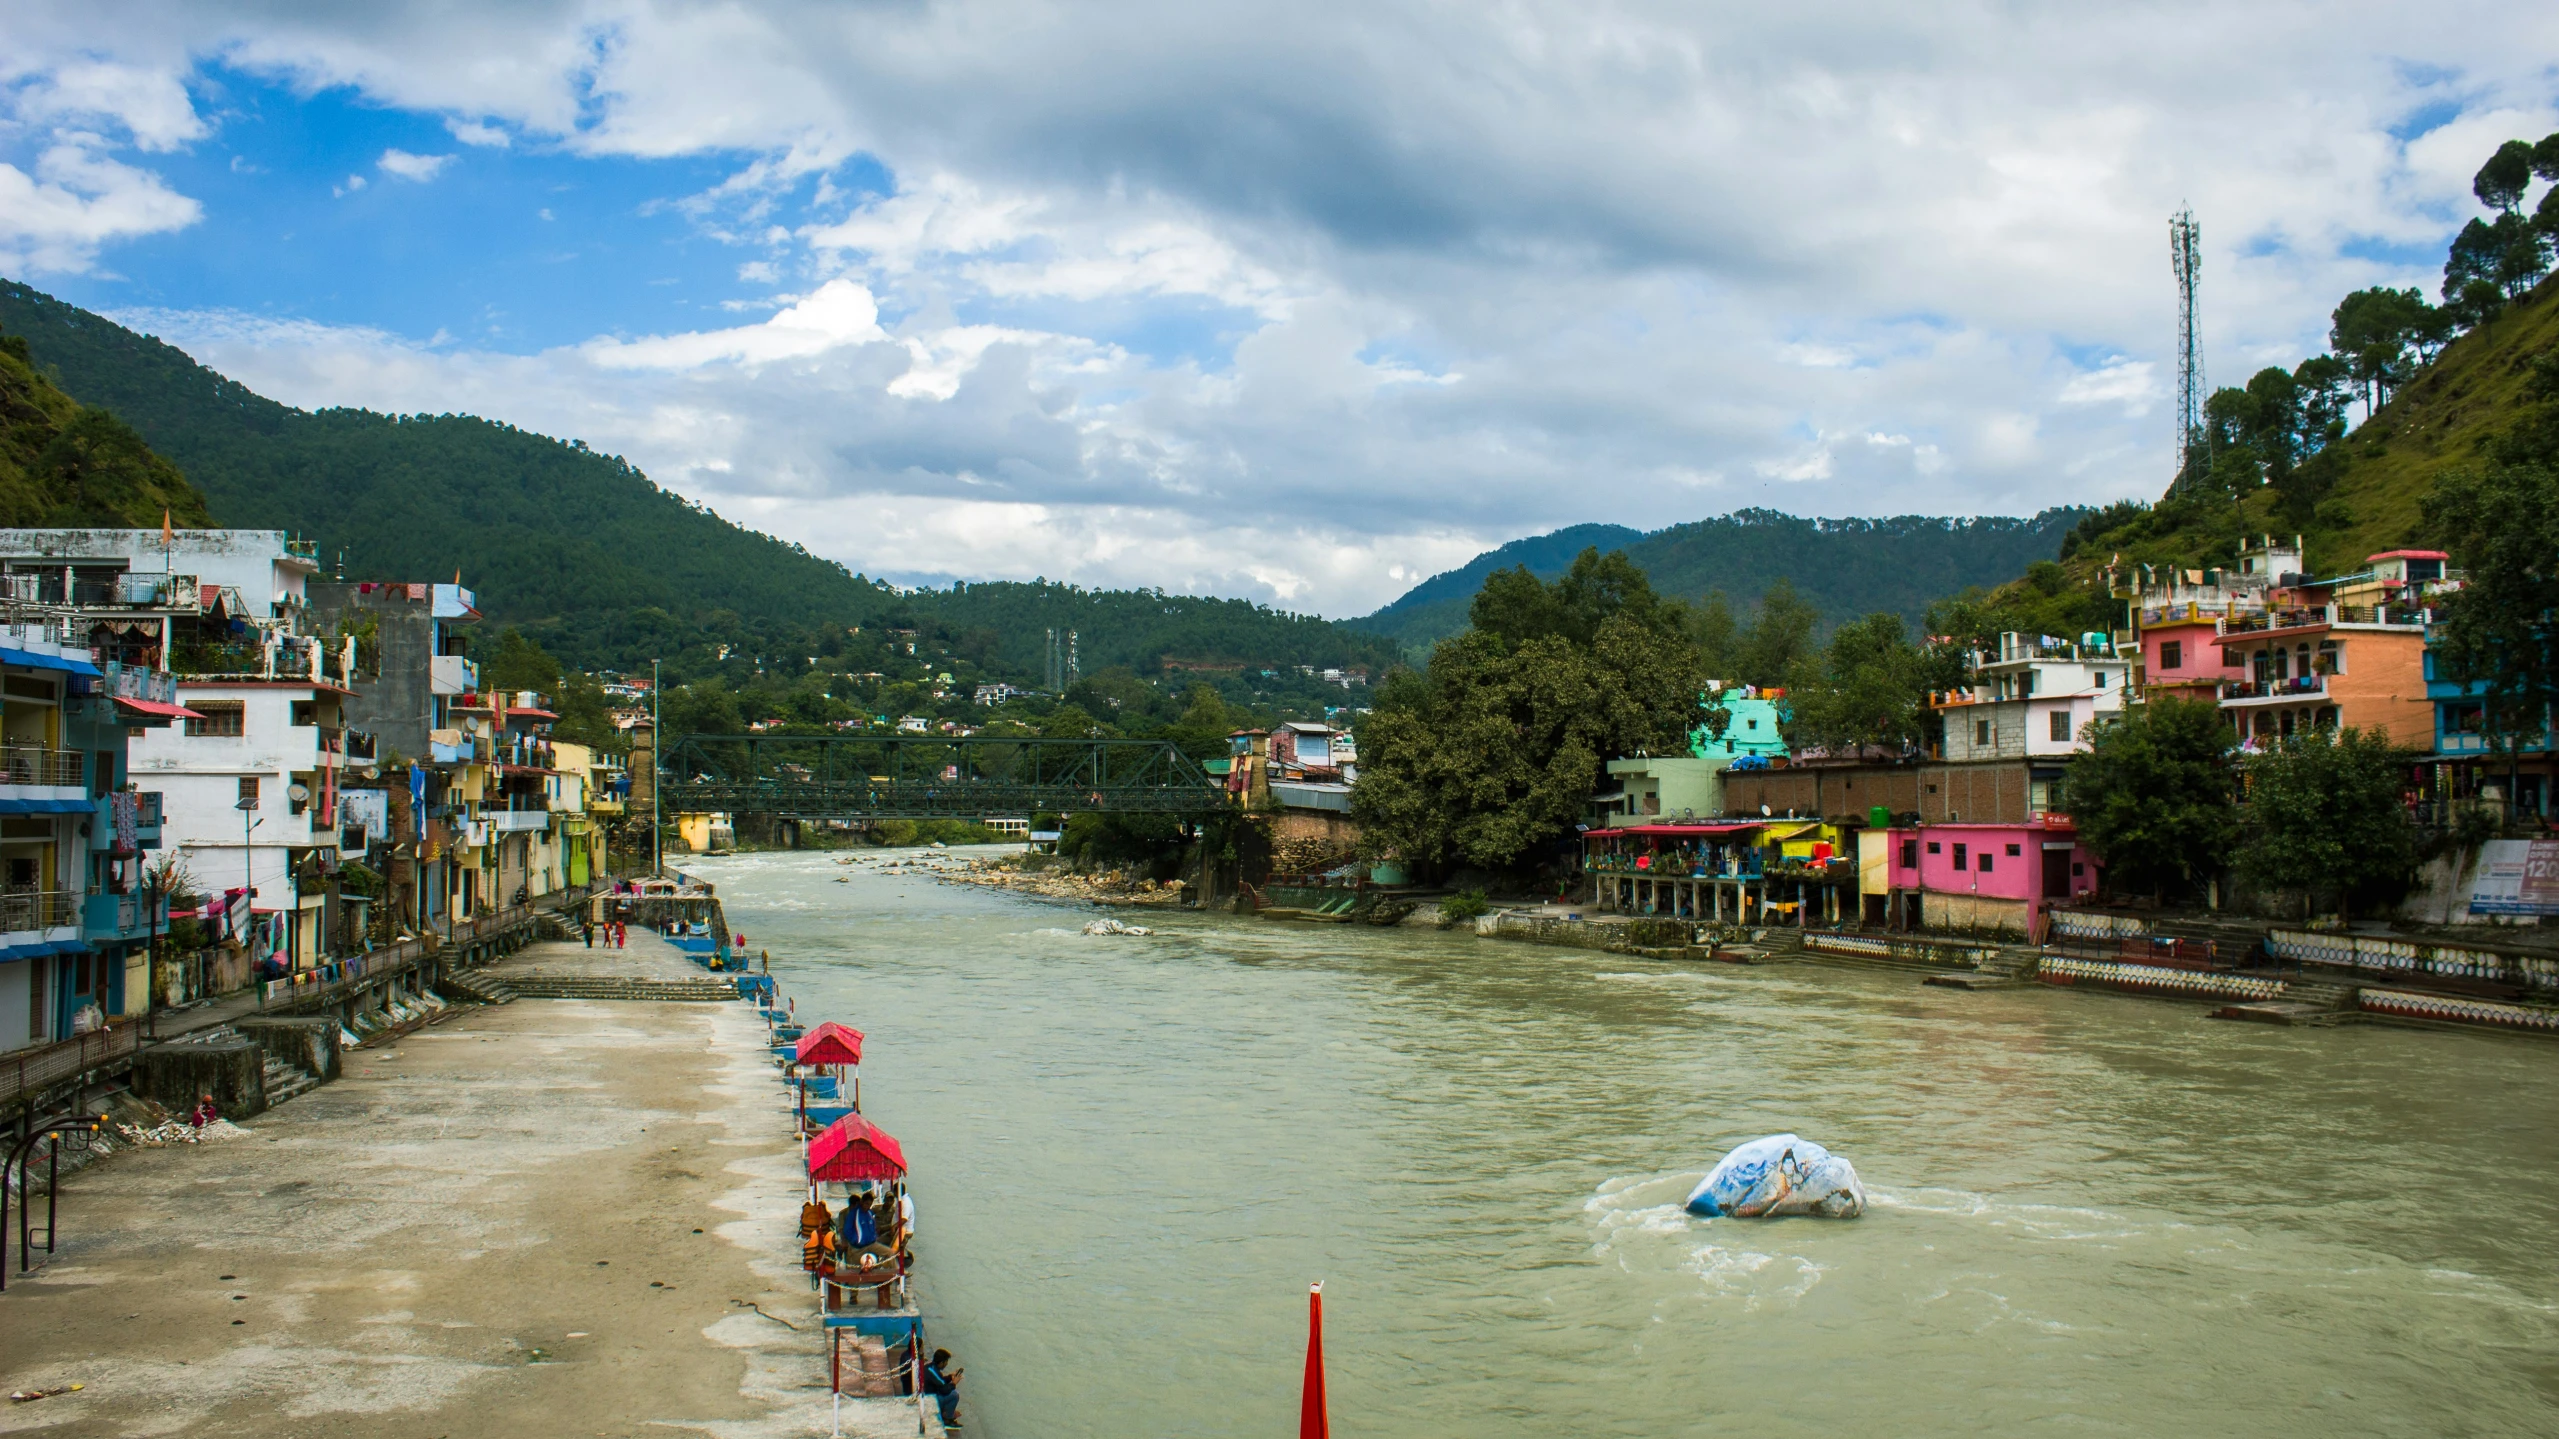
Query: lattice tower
x,y
2185,256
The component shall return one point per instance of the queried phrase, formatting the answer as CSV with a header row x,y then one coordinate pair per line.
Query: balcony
x,y
26,910
2299,687
452,675
37,765
129,822
107,918
517,821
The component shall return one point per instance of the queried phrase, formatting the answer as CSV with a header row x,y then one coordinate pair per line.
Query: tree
x,y
1717,636
2373,331
2497,631
2152,794
2500,183
1491,755
1779,637
1870,687
2325,816
518,663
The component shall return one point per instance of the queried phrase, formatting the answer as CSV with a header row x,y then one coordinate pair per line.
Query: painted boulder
x,y
1781,1174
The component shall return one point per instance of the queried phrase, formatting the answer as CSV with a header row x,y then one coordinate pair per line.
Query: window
x,y
2061,726
2078,868
2172,655
306,713
2101,679
1910,853
1750,724
221,717
1959,857
249,789
1985,861
1981,731
1935,848
2014,851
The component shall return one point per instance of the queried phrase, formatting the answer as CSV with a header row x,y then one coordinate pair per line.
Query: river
x,y
2090,1215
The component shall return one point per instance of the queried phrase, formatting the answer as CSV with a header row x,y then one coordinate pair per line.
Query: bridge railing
x,y
932,775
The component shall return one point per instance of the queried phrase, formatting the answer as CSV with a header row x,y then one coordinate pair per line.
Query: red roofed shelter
x,y
852,1150
829,1044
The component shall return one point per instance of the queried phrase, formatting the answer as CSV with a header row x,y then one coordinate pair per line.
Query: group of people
x,y
866,1246
617,935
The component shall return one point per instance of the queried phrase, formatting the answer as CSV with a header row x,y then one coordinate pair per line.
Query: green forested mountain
x,y
63,464
581,550
1844,568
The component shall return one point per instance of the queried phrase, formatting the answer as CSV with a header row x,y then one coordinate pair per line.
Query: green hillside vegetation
x,y
2441,385
1842,569
64,465
594,562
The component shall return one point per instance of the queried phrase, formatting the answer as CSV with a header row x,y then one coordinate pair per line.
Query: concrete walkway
x,y
649,957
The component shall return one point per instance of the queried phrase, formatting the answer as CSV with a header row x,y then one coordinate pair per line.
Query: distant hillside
x,y
2438,420
1846,568
581,549
63,464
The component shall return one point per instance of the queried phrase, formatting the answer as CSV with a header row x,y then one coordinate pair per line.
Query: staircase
x,y
477,988
283,1081
2006,968
564,986
2303,1002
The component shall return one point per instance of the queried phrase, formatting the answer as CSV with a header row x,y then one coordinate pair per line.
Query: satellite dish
x,y
373,771
1765,811
298,792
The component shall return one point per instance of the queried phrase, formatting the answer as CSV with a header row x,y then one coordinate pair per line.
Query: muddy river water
x,y
2092,1215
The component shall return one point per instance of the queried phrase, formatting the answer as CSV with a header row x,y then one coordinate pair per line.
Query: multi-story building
x,y
2033,698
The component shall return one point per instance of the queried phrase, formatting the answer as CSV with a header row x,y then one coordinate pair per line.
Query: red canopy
x,y
157,707
829,1043
854,1148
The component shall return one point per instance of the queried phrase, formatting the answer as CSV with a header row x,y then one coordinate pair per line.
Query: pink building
x,y
1992,877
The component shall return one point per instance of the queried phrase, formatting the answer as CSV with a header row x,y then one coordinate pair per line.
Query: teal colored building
x,y
1755,727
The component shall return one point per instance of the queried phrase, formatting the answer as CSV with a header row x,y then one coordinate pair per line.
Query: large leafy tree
x,y
1490,757
1869,688
2153,795
2325,816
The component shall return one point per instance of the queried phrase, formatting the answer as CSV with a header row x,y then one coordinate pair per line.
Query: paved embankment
x,y
542,1218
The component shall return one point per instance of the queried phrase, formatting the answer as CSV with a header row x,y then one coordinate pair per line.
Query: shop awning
x,y
829,1043
30,659
853,1148
48,806
1780,833
1698,831
158,708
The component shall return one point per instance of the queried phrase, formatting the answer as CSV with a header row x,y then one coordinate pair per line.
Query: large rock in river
x,y
1781,1174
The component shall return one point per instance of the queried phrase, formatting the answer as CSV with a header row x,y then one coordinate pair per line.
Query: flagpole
x,y
1312,1420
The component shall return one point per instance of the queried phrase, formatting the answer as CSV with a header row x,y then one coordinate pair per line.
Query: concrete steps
x,y
477,988
284,1081
2301,1003
561,986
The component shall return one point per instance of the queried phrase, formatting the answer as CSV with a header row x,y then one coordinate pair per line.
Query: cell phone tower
x,y
2185,256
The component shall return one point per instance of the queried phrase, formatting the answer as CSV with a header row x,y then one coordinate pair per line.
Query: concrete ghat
x,y
487,1229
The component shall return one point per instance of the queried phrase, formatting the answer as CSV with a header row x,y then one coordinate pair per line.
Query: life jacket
x,y
814,1247
813,1217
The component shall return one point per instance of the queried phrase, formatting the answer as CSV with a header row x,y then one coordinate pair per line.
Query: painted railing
x,y
2380,954
2154,979
31,1071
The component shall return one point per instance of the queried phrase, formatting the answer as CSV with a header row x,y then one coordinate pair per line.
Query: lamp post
x,y
248,857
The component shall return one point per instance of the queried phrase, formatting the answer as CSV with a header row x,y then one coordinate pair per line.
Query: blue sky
x,y
1302,305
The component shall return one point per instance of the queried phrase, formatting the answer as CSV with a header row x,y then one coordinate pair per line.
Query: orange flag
x,y
1311,1420
168,536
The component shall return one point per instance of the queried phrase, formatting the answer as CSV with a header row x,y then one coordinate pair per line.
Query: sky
x,y
1299,303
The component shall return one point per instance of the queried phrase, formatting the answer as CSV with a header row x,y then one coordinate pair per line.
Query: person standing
x,y
942,1381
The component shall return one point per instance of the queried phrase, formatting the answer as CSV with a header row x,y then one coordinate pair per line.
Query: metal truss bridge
x,y
924,777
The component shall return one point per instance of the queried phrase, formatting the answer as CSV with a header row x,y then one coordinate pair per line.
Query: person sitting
x,y
942,1381
858,1229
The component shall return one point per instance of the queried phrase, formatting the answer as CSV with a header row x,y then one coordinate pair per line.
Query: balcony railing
x,y
2299,686
31,909
34,764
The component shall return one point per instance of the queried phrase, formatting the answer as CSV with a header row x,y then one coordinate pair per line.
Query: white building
x,y
2033,699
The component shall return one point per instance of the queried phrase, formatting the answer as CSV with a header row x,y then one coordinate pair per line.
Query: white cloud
x,y
1436,278
2129,383
420,168
77,201
840,312
471,132
348,186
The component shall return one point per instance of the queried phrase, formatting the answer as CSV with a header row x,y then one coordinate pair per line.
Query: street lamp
x,y
248,856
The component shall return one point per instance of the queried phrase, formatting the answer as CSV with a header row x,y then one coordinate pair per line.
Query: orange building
x,y
2304,669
